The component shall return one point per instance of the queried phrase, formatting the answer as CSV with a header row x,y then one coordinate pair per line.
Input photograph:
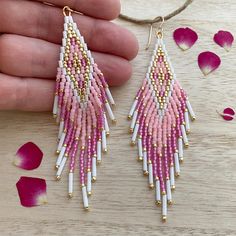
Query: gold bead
x,y
164,218
158,203
94,179
70,195
151,186
170,202
58,177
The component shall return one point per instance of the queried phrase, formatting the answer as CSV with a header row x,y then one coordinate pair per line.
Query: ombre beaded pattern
x,y
82,102
160,124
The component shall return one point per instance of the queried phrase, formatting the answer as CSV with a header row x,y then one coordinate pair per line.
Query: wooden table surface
x,y
205,196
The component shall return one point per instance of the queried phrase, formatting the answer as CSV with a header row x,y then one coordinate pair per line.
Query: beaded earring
x,y
81,98
160,124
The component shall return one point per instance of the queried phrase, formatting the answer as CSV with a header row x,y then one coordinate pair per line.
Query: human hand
x,y
30,40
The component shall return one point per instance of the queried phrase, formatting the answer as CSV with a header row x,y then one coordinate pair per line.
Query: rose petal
x,y
185,38
229,111
208,62
224,39
227,117
28,157
32,191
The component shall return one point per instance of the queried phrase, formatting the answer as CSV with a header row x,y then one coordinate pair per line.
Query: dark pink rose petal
x,y
32,191
208,62
28,157
225,39
229,111
185,38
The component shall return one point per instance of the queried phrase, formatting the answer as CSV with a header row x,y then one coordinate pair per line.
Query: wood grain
x,y
205,198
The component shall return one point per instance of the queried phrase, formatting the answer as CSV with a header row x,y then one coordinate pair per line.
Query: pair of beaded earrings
x,y
160,116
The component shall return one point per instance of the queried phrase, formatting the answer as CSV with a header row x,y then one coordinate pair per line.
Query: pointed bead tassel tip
x,y
28,157
32,191
160,121
224,39
208,62
185,38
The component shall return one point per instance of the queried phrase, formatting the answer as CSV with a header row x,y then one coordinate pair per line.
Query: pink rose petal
x,y
224,39
208,62
28,157
185,38
32,191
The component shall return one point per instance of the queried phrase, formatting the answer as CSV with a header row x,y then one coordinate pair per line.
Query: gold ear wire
x,y
159,32
67,11
149,37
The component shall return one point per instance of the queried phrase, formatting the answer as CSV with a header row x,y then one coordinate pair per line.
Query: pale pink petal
x,y
185,38
208,62
32,191
224,39
28,157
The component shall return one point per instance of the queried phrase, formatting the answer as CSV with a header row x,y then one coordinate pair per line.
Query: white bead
x,y
185,138
89,182
104,140
64,34
61,168
71,185
158,191
94,167
106,124
140,148
110,98
180,148
70,19
164,205
61,57
63,42
177,168
172,176
190,110
99,151
150,176
65,27
61,127
60,63
135,133
63,51
133,108
168,190
109,110
67,20
55,105
187,123
61,155
145,167
85,197
61,142
134,119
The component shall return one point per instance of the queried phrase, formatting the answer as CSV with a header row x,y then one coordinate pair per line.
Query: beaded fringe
x,y
160,123
82,102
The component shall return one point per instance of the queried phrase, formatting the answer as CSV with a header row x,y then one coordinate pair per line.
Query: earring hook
x,y
159,31
67,11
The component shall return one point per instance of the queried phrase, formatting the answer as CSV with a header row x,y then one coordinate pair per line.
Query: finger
x,y
27,57
44,22
104,9
28,94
